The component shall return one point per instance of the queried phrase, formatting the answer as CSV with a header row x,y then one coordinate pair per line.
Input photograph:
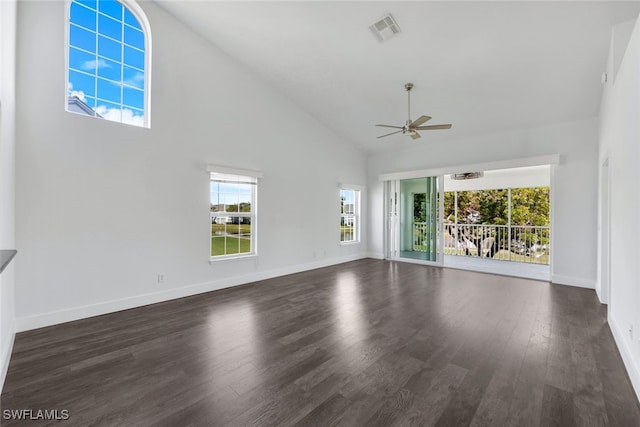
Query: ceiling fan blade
x,y
392,133
433,127
415,135
420,120
389,126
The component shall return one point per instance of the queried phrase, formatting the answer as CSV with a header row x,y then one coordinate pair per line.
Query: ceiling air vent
x,y
467,175
385,28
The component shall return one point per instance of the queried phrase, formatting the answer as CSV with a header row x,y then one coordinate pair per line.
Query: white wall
x,y
102,208
7,177
574,209
619,143
620,36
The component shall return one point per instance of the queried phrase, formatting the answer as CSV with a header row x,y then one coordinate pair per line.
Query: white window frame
x,y
245,176
139,14
355,217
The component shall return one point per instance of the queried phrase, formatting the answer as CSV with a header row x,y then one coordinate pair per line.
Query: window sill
x,y
354,242
215,260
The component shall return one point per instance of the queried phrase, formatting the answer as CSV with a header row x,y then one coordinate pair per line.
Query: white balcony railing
x,y
521,243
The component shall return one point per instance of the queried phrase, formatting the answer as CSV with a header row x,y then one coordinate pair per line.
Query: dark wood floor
x,y
366,343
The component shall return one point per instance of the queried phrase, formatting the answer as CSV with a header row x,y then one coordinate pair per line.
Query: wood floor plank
x,y
526,405
465,401
427,407
366,343
588,397
557,408
493,409
326,414
560,367
392,408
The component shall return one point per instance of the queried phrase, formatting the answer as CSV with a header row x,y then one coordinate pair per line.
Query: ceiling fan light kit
x,y
466,175
411,127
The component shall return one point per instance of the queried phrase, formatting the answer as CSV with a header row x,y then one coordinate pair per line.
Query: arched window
x,y
108,68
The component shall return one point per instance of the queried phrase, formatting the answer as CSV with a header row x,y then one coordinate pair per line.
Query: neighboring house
x,y
76,105
220,218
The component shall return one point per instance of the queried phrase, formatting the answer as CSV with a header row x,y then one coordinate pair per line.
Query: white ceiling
x,y
483,66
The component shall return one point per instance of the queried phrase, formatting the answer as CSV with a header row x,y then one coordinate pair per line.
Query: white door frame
x,y
604,233
392,223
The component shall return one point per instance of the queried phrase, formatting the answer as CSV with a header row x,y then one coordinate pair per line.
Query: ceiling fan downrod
x,y
408,87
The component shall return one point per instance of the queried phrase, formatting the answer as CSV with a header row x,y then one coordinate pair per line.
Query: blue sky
x,y
349,200
106,59
229,193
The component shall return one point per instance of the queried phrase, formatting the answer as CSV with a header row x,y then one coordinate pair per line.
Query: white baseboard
x,y
601,297
579,282
82,312
375,255
627,354
7,347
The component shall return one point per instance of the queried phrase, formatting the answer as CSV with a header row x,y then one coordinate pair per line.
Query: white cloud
x,y
125,116
80,94
129,118
93,64
114,114
136,81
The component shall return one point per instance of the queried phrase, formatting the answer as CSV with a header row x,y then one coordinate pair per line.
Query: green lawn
x,y
234,245
503,254
231,228
346,233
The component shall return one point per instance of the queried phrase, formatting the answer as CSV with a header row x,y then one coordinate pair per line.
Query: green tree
x,y
530,206
243,207
468,206
493,206
420,207
449,206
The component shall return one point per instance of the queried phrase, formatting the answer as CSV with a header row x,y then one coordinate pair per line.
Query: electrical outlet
x,y
160,277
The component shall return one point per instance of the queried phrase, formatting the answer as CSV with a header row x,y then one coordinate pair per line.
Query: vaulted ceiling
x,y
483,66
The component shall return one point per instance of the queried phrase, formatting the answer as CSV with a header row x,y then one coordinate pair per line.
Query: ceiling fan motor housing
x,y
412,127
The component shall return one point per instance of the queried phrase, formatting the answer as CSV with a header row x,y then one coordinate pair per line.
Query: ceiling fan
x,y
411,127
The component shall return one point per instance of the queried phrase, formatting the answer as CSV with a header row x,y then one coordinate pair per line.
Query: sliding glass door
x,y
415,214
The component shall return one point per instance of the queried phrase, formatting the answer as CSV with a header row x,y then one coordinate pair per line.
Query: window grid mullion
x,y
122,65
139,111
95,70
349,214
236,225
